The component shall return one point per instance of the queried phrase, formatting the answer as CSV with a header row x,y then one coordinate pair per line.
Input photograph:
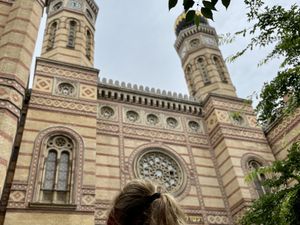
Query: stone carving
x,y
237,119
154,134
195,219
194,126
194,43
216,219
152,119
132,116
162,168
88,92
62,72
65,88
43,84
172,122
107,112
82,108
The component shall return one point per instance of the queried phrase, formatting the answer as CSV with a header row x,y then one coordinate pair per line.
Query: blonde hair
x,y
141,203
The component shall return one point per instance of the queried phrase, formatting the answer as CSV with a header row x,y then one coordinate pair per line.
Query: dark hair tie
x,y
154,197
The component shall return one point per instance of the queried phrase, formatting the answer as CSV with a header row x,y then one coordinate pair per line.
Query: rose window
x,y
194,125
66,89
161,168
152,119
172,122
60,142
107,112
132,116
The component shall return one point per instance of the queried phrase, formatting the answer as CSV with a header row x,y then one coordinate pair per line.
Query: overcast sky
x,y
135,38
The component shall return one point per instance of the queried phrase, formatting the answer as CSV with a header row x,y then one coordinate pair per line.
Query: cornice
x,y
191,31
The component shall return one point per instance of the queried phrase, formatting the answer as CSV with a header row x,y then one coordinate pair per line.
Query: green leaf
x,y
226,3
190,15
209,5
197,20
187,4
207,13
214,2
172,4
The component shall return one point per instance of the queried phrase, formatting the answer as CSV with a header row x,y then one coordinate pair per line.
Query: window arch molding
x,y
52,29
72,33
89,43
188,173
39,158
220,66
246,158
201,64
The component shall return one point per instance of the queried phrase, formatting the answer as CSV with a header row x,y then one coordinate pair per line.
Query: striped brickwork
x,y
282,133
19,23
48,112
61,51
233,145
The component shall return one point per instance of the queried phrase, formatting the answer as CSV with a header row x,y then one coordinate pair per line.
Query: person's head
x,y
141,203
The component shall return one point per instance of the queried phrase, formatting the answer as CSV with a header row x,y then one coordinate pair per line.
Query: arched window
x,y
258,181
72,34
188,69
52,35
202,67
220,69
57,175
88,44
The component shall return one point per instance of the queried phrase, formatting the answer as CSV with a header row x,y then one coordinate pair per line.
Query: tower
x,y
19,23
61,111
69,33
202,61
236,141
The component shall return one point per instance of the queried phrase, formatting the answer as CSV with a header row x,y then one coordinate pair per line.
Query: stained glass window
x,y
161,168
50,170
57,175
260,189
62,184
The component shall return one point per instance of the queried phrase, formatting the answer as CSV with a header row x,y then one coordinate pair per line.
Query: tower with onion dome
x,y
204,67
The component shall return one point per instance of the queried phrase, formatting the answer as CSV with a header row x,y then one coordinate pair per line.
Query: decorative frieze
x,y
153,134
63,104
62,70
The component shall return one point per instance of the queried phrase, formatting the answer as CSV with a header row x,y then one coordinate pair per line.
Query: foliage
x,y
281,27
206,8
282,205
271,26
280,97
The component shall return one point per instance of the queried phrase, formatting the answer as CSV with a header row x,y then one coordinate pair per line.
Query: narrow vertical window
x,y
220,69
57,175
52,35
88,44
50,170
72,34
62,184
203,70
258,181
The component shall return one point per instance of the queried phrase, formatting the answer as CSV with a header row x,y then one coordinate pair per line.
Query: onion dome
x,y
182,24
